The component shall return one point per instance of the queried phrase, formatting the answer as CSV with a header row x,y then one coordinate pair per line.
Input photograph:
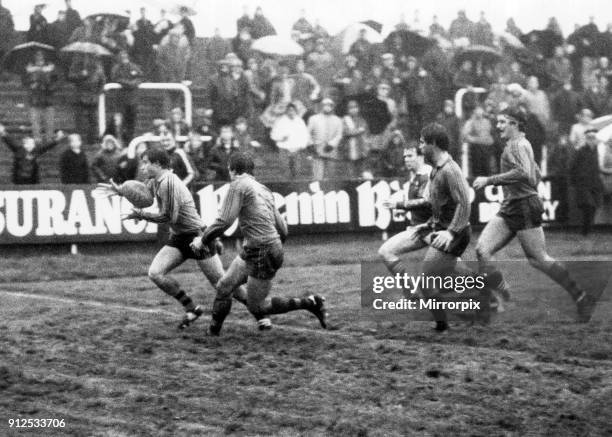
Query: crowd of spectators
x,y
325,117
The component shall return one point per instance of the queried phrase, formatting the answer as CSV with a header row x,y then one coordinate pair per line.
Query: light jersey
x,y
520,174
417,189
175,203
253,204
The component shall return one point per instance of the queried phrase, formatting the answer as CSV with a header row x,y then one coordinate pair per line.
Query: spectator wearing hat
x,y
74,168
129,75
325,129
87,74
290,134
106,162
584,176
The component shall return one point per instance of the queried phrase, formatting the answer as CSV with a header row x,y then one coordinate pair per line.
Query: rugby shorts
x,y
263,261
521,214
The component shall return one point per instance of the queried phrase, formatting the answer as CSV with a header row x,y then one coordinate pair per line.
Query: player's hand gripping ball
x,y
136,192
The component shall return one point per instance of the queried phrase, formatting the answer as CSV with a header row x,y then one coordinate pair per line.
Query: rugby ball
x,y
137,193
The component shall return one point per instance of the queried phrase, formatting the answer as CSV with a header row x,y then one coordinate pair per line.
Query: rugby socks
x,y
185,300
221,308
561,276
281,305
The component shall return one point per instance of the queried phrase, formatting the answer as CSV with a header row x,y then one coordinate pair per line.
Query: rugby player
x,y
264,231
520,214
177,209
416,203
446,234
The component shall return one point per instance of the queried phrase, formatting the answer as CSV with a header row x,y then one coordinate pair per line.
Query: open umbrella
x,y
350,34
89,48
411,43
373,110
478,53
510,40
277,45
543,41
19,56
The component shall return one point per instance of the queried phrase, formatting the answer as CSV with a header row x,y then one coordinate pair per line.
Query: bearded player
x,y
177,209
520,214
264,231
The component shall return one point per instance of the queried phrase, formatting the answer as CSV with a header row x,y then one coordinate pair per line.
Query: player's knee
x,y
481,250
224,286
155,275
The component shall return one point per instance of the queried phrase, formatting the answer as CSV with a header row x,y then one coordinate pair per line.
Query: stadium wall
x,y
44,214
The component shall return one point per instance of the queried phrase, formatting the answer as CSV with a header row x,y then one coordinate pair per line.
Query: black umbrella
x,y
411,43
374,111
478,53
19,56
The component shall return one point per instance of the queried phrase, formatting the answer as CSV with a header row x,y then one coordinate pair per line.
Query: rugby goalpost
x,y
145,86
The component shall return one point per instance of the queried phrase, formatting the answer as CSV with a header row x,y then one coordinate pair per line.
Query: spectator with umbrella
x,y
87,73
7,30
129,75
38,25
25,156
41,81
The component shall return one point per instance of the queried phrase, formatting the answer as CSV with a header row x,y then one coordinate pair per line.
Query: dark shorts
x,y
521,214
457,246
263,261
182,242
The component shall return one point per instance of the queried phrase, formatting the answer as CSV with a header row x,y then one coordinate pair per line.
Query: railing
x,y
145,86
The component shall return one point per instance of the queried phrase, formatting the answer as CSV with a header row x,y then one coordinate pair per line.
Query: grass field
x,y
90,340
